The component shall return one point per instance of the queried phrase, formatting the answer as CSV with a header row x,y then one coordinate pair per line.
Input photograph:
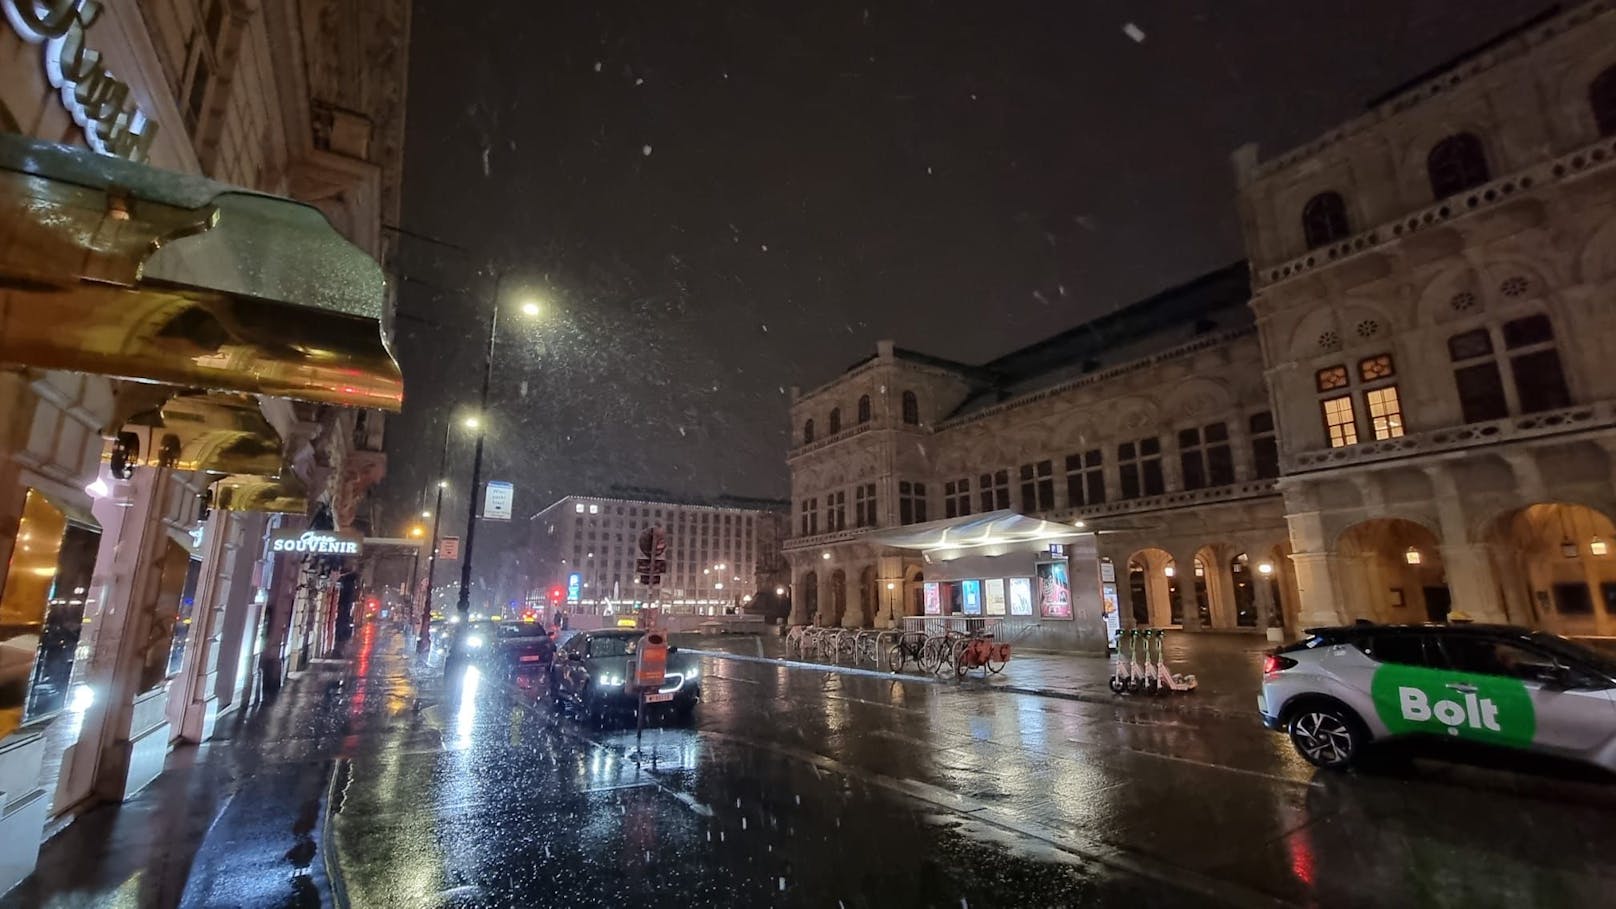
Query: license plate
x,y
657,697
533,658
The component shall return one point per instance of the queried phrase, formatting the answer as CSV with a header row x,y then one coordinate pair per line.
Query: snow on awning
x,y
124,270
993,529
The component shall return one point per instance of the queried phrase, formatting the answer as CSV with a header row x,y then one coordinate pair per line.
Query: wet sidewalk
x,y
239,819
1227,667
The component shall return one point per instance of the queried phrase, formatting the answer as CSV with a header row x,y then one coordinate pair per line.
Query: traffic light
x,y
556,594
650,571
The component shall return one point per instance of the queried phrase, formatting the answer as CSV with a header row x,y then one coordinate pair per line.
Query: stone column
x,y
1220,590
239,626
1184,566
1468,568
853,615
1317,581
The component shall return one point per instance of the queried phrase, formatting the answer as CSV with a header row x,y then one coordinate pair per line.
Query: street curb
x,y
328,844
1132,701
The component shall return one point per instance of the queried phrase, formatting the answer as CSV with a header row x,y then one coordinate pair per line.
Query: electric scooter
x,y
1168,682
1137,675
1121,670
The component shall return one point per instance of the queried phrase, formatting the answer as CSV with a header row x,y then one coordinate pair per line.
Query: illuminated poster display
x,y
1021,596
995,593
934,598
971,596
1111,612
1054,590
575,587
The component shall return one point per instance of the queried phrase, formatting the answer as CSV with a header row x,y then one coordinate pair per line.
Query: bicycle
x,y
906,649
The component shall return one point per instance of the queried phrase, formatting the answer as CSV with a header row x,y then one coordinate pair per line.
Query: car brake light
x,y
1275,663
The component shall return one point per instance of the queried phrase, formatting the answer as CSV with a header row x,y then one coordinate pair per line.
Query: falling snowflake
x,y
765,328
639,81
1134,32
485,161
765,247
645,150
597,66
928,171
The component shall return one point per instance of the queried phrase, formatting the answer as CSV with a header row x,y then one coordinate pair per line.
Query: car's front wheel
x,y
1327,735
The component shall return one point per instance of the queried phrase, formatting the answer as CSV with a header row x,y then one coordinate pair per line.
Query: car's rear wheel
x,y
1327,735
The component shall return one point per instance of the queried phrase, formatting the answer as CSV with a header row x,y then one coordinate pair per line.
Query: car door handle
x,y
1462,687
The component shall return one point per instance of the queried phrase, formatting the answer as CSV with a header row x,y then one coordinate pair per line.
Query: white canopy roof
x,y
995,528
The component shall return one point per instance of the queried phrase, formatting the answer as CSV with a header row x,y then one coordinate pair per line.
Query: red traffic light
x,y
556,593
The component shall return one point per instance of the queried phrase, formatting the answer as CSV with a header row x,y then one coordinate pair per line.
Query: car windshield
x,y
521,630
1598,660
610,646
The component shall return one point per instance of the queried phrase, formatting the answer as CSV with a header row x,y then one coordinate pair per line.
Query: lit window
x,y
1339,421
1332,378
594,509
578,508
1376,368
1385,414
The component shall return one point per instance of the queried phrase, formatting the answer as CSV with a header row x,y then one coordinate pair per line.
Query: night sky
x,y
717,201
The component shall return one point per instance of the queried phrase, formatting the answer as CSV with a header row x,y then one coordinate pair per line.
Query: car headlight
x,y
474,641
611,680
693,672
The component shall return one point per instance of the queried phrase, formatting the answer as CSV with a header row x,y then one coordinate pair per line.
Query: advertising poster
x,y
1021,596
971,597
995,593
1054,591
497,498
1112,613
575,587
934,598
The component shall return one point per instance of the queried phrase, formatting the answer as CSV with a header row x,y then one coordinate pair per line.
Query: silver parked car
x,y
1342,688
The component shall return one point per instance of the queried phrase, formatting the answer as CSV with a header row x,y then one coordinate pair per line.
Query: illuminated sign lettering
x,y
100,103
314,542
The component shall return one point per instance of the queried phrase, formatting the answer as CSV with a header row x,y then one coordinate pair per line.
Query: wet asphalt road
x,y
796,787
801,788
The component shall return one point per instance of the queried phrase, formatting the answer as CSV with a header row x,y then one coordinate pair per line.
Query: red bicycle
x,y
980,651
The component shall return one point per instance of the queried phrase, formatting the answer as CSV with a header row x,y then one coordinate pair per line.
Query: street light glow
x,y
427,513
530,308
472,422
417,531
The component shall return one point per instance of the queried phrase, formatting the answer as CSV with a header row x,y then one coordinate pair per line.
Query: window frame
x,y
1085,478
1324,219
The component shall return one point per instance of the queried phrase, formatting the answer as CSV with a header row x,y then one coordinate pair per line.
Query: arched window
x,y
1324,220
807,431
1456,164
835,420
1602,98
864,409
911,409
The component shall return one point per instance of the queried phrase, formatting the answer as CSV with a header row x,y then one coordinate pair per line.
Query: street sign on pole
x,y
449,548
498,497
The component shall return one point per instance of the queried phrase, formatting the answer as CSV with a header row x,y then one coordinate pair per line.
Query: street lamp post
x,y
463,606
423,641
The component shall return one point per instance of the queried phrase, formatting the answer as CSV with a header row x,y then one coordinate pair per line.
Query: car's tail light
x,y
1275,663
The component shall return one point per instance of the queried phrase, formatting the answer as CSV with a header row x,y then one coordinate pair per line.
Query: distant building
x,y
587,546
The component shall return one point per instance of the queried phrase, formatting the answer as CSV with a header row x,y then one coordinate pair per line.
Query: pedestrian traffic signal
x,y
650,571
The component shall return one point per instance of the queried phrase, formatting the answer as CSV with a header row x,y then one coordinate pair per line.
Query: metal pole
x,y
424,640
464,604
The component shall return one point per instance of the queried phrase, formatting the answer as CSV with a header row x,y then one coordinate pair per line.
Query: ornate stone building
x,y
1149,428
1433,285
1413,415
161,596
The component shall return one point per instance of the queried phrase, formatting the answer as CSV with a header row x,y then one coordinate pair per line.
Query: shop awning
x,y
119,269
992,529
285,494
216,432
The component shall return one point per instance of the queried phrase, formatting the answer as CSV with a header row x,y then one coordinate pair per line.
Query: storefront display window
x,y
182,620
29,579
933,598
64,622
170,588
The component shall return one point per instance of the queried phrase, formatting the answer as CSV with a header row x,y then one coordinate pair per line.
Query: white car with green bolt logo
x,y
1339,689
